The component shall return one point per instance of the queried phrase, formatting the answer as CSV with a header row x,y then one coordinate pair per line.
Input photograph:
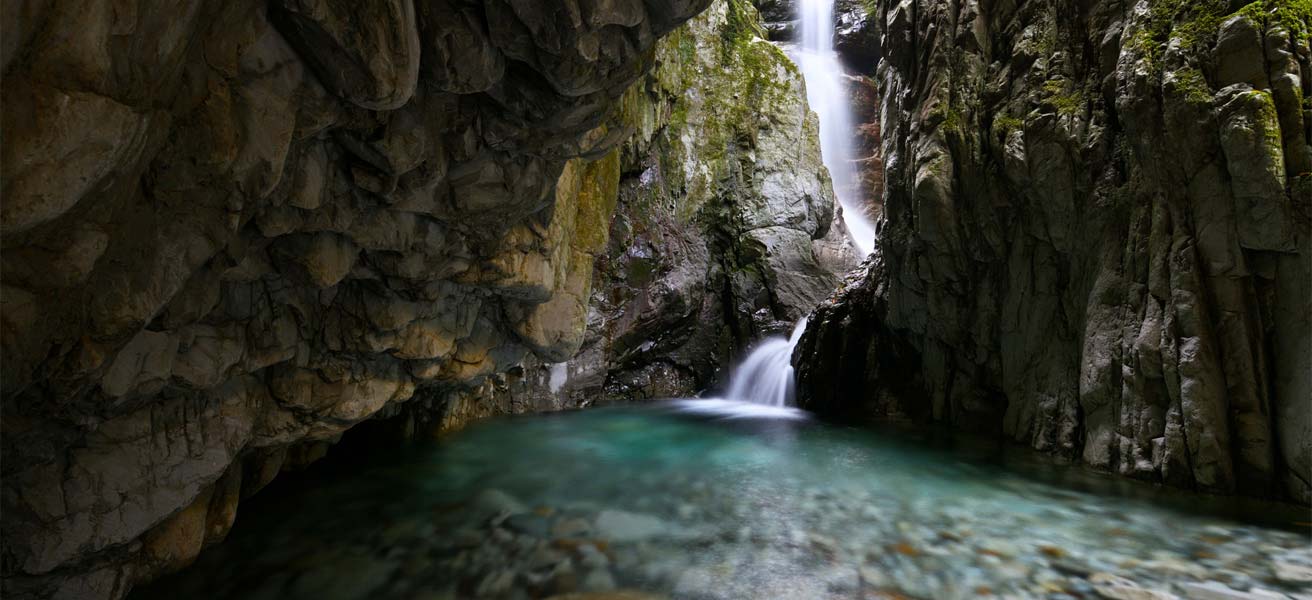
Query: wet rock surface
x,y
726,227
1095,238
231,233
857,45
645,503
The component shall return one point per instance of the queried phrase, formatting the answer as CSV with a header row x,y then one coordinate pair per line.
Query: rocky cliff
x,y
1095,238
231,231
725,229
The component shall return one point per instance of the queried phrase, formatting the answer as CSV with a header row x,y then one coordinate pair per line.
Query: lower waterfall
x,y
766,376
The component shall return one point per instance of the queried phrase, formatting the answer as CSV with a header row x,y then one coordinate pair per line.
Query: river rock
x,y
597,580
496,503
1211,590
621,526
1113,587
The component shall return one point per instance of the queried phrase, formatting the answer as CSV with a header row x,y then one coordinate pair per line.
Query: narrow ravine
x,y
656,299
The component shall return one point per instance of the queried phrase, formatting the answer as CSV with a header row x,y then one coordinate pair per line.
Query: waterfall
x,y
766,377
827,93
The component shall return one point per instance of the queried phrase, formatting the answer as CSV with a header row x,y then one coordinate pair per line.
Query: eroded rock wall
x,y
727,228
1096,237
232,230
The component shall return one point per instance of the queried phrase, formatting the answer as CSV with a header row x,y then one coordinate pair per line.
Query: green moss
x,y
1060,93
743,24
1270,124
1294,15
1183,19
1193,85
1194,23
952,119
1004,124
598,195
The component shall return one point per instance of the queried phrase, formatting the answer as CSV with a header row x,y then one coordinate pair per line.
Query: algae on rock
x,y
726,229
1095,238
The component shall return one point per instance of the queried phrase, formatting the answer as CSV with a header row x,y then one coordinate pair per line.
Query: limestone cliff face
x,y
231,231
1096,237
726,229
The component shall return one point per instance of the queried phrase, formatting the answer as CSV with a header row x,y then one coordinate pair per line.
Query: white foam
x,y
737,409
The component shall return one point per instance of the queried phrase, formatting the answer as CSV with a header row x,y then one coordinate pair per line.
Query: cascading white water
x,y
826,92
766,377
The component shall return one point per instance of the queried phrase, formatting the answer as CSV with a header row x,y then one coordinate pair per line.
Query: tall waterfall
x,y
766,377
827,93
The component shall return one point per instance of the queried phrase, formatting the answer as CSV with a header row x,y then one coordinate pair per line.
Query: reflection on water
x,y
695,505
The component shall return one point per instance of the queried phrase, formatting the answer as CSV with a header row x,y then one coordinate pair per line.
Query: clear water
x,y
827,93
682,504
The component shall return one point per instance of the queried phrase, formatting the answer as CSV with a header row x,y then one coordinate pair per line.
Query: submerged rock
x,y
621,526
1212,590
1119,588
496,503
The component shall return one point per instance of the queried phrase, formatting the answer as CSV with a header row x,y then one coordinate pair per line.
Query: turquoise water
x,y
682,505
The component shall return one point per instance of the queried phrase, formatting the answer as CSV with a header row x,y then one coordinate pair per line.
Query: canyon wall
x,y
725,229
1095,237
231,231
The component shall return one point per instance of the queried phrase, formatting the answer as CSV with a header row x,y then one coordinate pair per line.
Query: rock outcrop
x,y
727,229
1095,238
231,231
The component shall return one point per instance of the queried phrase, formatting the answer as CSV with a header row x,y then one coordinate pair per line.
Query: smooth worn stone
x,y
529,524
1293,568
1211,590
621,526
571,527
1118,588
496,503
597,580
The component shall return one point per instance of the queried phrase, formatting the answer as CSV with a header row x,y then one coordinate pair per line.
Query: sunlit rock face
x,y
232,230
1095,238
726,229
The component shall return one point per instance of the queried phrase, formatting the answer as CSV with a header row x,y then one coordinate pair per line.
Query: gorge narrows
x,y
583,299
